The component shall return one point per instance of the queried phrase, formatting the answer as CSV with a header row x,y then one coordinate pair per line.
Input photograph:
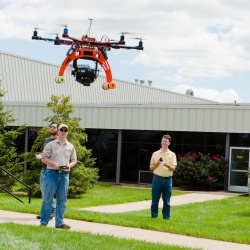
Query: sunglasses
x,y
53,127
63,130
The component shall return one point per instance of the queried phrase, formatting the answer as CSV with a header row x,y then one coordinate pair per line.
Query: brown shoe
x,y
64,226
52,215
43,225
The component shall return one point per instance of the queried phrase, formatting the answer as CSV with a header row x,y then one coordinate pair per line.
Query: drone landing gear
x,y
109,85
85,75
60,79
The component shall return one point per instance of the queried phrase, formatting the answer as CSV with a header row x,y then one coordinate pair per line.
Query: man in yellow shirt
x,y
163,163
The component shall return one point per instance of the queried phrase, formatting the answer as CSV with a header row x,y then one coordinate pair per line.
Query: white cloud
x,y
187,40
225,96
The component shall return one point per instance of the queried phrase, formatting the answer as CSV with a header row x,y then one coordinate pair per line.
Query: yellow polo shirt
x,y
169,157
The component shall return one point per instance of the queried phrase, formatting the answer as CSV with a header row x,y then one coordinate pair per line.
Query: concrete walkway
x,y
135,233
175,200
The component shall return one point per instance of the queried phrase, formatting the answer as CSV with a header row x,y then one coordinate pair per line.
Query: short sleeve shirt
x,y
62,154
169,157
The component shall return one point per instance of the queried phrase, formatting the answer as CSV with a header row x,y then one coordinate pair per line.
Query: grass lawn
x,y
25,237
226,220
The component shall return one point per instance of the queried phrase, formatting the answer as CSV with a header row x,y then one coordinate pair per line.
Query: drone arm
x,y
56,42
37,38
127,47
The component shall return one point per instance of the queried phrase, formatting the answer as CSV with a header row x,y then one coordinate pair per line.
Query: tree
x,y
83,176
10,160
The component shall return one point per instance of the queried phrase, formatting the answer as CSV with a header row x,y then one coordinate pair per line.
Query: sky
x,y
188,44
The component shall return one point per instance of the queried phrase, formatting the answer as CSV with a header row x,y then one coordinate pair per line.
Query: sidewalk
x,y
135,233
175,200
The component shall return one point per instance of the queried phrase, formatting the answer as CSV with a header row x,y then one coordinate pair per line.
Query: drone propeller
x,y
36,28
61,24
53,34
140,44
126,33
138,38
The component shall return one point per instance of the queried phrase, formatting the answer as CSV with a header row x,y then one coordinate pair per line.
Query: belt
x,y
61,171
163,177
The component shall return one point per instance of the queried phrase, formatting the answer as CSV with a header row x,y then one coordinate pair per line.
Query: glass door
x,y
238,169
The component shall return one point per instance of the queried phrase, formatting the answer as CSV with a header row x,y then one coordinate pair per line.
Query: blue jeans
x,y
53,210
55,184
161,186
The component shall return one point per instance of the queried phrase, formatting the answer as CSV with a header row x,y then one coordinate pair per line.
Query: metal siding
x,y
207,119
184,119
121,116
113,123
151,118
230,120
192,120
18,114
162,118
178,119
134,118
95,117
165,119
199,116
141,119
170,119
215,120
109,117
127,118
155,118
222,120
148,119
92,117
246,120
84,117
238,121
37,114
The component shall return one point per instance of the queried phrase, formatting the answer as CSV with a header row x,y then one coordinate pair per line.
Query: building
x,y
125,125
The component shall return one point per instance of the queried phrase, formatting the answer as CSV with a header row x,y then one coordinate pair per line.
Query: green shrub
x,y
81,180
10,159
200,172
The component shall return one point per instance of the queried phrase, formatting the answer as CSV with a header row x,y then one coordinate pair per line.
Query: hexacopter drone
x,y
87,48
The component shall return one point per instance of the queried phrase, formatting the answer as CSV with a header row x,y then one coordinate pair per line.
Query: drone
x,y
87,48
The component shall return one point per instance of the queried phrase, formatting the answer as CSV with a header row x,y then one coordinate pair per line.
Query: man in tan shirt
x,y
59,156
163,163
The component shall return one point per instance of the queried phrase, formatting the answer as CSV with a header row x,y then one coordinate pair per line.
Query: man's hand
x,y
166,165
